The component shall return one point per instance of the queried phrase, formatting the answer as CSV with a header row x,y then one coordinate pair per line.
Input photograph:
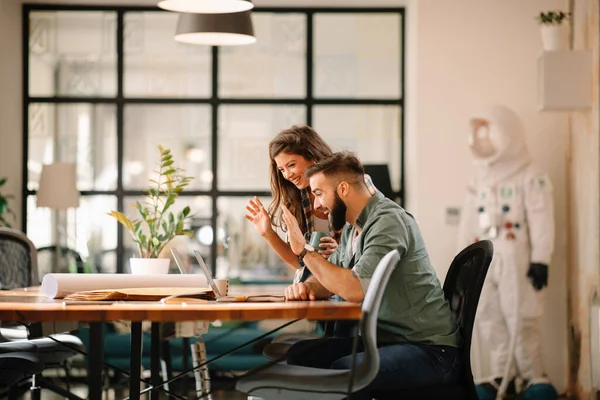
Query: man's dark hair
x,y
343,165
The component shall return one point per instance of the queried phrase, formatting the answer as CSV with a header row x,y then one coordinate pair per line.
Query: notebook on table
x,y
249,298
140,294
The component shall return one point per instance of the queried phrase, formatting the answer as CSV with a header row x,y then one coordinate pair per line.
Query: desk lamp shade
x,y
58,187
215,29
206,6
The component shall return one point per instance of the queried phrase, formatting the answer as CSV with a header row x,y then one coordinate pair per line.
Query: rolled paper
x,y
57,286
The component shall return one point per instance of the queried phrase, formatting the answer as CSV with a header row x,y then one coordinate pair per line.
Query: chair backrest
x,y
462,288
66,258
18,260
366,371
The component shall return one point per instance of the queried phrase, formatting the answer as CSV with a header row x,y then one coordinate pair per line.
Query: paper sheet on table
x,y
57,286
141,294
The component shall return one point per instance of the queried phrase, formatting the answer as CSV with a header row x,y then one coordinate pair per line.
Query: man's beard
x,y
338,213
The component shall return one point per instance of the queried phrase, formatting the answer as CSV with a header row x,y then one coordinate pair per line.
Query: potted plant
x,y
157,225
4,208
554,29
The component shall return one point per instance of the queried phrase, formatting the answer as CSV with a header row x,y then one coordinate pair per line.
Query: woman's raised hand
x,y
256,213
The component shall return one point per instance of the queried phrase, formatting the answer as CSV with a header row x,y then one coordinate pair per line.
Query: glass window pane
x,y
244,136
86,229
274,66
357,55
72,53
158,66
84,134
246,254
201,211
372,132
184,129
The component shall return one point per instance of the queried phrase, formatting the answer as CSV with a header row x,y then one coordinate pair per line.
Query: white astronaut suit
x,y
509,203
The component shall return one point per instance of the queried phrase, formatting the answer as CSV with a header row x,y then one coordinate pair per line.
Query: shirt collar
x,y
368,209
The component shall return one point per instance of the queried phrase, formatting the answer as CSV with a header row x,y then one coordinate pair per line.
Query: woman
x,y
292,151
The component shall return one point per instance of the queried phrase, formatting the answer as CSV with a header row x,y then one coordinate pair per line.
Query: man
x,y
417,337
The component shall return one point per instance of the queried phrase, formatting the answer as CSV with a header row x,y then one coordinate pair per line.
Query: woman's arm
x,y
259,217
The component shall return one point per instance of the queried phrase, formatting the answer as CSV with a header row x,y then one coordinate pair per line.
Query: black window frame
x,y
120,101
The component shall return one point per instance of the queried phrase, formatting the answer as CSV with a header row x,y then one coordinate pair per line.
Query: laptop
x,y
215,288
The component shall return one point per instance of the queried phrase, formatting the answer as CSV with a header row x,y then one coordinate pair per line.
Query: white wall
x,y
10,103
472,53
461,54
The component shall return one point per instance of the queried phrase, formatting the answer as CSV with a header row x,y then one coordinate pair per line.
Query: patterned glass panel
x,y
244,136
86,229
245,254
158,66
274,66
357,55
201,211
372,132
81,133
72,53
184,129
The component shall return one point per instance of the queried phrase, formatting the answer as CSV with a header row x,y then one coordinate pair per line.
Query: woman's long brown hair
x,y
300,140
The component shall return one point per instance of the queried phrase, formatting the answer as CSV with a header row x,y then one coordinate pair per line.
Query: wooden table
x,y
29,305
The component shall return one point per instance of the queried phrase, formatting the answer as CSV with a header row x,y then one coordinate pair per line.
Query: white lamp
x,y
215,29
58,187
58,191
206,6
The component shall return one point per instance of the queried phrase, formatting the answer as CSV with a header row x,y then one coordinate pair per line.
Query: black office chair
x,y
462,289
17,362
18,268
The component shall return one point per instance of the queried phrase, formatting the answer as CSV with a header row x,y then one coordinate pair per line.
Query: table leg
x,y
95,361
135,361
155,360
202,375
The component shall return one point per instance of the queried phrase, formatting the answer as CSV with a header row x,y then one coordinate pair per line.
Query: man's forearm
x,y
334,278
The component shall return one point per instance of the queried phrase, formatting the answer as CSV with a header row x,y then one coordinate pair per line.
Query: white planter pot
x,y
555,37
148,266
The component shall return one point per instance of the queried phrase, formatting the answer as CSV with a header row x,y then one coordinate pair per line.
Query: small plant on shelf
x,y
553,17
157,226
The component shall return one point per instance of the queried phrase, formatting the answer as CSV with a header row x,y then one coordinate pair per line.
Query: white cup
x,y
223,286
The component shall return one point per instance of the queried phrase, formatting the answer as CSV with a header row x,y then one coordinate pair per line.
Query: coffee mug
x,y
315,239
223,286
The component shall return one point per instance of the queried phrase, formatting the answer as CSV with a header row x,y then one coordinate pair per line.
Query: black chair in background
x,y
380,175
18,268
462,289
67,259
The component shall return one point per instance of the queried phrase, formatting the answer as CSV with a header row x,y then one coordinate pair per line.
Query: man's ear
x,y
343,189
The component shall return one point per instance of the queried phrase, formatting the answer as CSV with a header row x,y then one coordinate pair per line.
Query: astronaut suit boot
x,y
510,203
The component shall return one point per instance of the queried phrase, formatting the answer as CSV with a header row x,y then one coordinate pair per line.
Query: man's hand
x,y
300,291
295,235
327,247
538,275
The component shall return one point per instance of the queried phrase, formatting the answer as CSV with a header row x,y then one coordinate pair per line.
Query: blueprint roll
x,y
57,286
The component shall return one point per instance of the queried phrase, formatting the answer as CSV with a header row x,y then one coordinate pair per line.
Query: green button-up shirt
x,y
413,308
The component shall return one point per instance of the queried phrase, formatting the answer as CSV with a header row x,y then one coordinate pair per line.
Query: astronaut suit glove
x,y
538,275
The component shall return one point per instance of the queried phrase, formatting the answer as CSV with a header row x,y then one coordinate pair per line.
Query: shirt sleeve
x,y
389,233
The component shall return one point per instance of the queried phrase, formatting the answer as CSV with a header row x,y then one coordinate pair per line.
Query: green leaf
x,y
123,220
2,181
186,211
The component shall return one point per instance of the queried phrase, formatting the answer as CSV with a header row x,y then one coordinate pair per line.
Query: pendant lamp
x,y
206,6
215,29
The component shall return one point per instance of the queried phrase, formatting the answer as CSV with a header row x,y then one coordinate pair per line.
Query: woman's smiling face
x,y
292,167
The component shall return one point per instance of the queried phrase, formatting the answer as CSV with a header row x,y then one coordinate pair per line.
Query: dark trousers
x,y
402,366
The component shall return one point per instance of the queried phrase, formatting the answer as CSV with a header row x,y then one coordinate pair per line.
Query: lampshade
x,y
58,187
215,29
206,6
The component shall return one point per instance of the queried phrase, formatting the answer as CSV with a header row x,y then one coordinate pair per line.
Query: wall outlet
x,y
452,215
